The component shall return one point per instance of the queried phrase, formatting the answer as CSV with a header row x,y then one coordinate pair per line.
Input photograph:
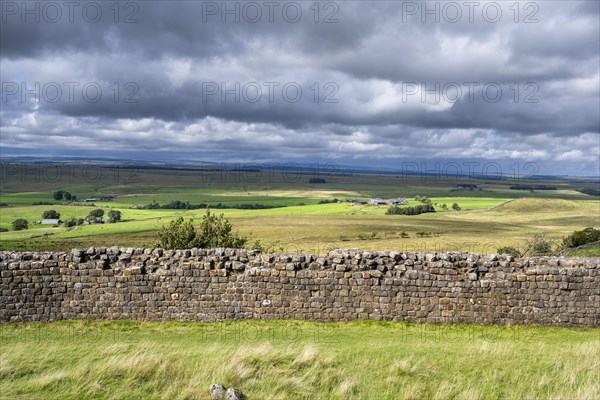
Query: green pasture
x,y
297,360
489,218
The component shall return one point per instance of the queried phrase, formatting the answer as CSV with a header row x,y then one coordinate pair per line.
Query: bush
x,y
367,236
455,207
178,234
258,245
20,224
114,216
395,210
50,214
73,222
404,235
214,231
579,238
538,245
511,251
3,230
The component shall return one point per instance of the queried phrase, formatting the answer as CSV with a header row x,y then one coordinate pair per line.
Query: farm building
x,y
395,202
51,221
468,186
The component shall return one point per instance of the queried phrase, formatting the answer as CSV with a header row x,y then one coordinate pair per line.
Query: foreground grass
x,y
297,360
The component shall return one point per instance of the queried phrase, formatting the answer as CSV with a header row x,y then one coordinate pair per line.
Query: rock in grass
x,y
216,391
233,394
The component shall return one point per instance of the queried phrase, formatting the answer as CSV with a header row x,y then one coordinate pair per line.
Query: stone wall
x,y
218,284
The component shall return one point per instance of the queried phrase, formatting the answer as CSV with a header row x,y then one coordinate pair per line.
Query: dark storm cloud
x,y
368,65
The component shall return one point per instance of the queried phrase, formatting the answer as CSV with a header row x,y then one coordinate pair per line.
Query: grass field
x,y
489,218
297,360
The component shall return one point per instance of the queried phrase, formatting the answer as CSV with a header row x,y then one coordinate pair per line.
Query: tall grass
x,y
297,360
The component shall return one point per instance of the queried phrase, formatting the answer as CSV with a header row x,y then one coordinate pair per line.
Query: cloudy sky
x,y
372,83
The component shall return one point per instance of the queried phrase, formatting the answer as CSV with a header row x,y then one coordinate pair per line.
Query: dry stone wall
x,y
222,284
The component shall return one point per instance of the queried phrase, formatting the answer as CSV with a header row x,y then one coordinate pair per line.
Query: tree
x,y
20,224
50,214
178,234
217,231
58,195
214,231
68,196
97,213
114,216
94,215
456,207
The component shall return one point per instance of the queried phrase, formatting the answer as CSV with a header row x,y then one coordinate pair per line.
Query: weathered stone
x,y
217,391
233,394
219,284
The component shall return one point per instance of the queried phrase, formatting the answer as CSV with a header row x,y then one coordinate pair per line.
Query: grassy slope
x,y
316,228
297,360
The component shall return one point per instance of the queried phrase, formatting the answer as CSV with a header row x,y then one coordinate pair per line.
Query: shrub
x,y
579,238
217,231
395,210
178,234
20,224
58,195
73,222
3,230
509,250
404,234
258,245
50,214
455,207
367,236
538,245
214,231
